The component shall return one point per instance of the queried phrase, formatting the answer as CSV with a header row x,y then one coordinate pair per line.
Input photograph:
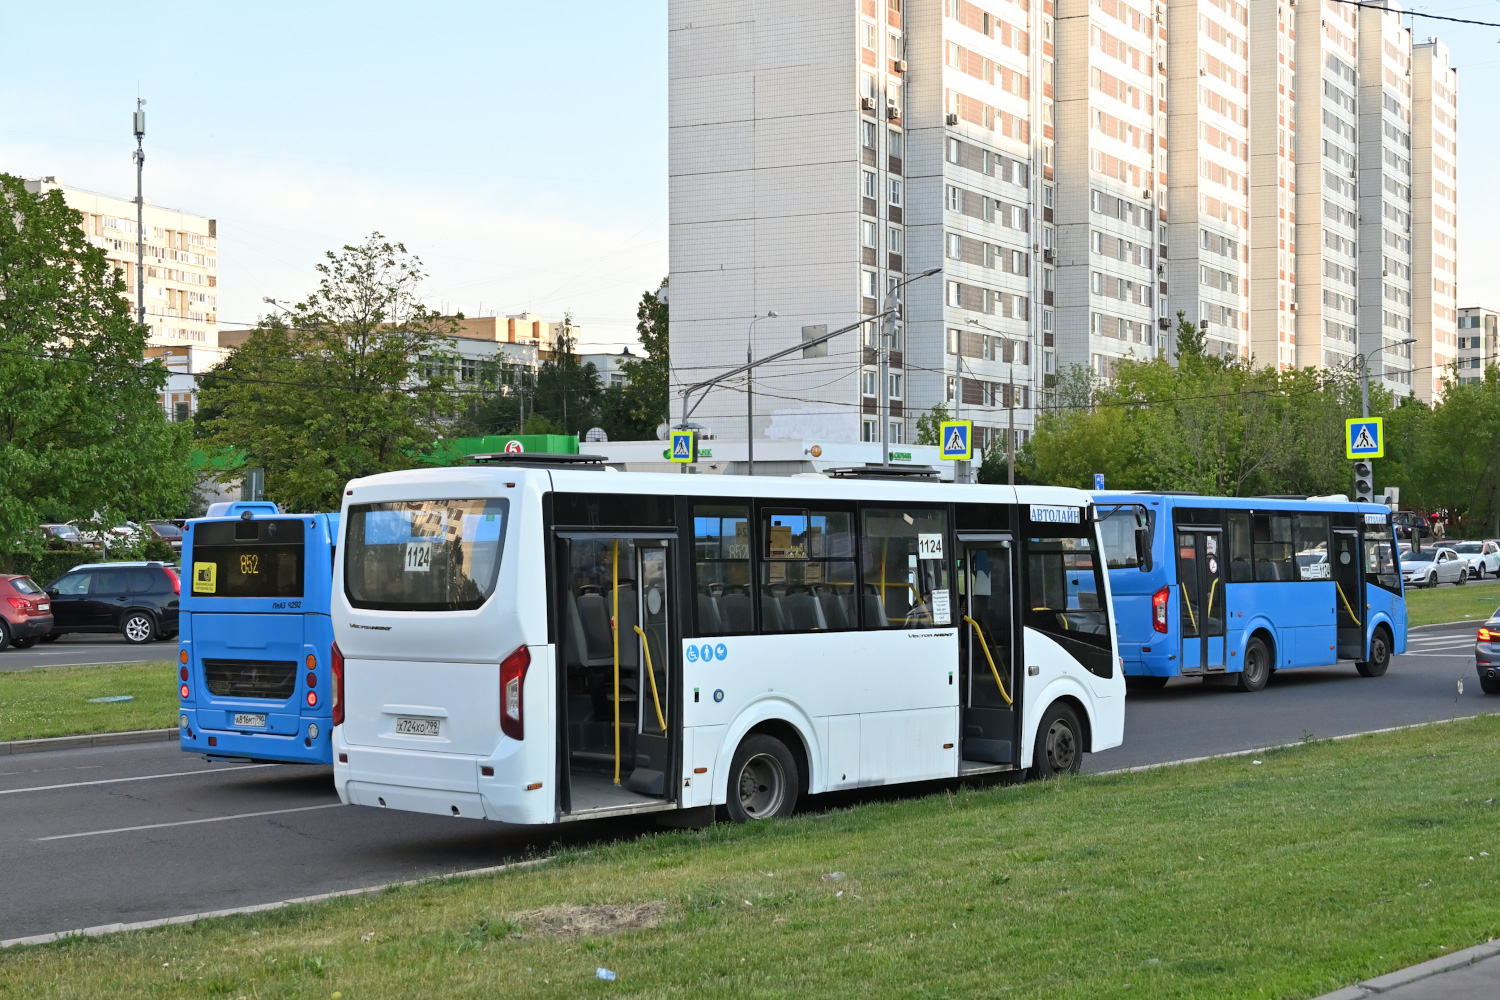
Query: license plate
x,y
416,727
256,719
44,607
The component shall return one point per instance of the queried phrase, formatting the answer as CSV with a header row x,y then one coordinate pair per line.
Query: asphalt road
x,y
74,650
109,834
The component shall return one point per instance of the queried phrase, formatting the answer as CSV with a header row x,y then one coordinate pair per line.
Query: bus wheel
x,y
1059,743
1380,655
763,780
1257,666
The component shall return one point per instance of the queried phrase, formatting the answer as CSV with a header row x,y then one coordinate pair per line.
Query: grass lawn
x,y
54,701
1306,870
1475,601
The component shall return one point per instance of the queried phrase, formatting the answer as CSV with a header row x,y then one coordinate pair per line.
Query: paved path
x,y
119,834
76,650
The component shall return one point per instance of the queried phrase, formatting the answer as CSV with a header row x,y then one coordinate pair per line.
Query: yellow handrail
x,y
614,628
655,697
1346,602
986,647
1188,603
1211,590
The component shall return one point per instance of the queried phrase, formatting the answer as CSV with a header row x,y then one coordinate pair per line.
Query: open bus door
x,y
987,650
1349,593
618,741
1201,598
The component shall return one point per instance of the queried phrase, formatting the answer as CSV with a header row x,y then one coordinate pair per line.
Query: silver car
x,y
1431,567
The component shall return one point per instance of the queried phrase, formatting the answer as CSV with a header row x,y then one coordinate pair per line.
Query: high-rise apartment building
x,y
1478,342
1272,151
1434,219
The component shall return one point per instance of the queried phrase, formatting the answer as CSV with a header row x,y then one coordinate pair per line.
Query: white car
x,y
1431,567
1483,557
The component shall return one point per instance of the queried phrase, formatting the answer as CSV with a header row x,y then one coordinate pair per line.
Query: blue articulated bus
x,y
1239,587
254,666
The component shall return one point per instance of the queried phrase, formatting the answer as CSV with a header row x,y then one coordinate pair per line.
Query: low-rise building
x,y
1478,342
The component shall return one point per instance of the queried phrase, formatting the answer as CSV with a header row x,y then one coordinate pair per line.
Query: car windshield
x,y
64,531
167,529
1424,556
1468,548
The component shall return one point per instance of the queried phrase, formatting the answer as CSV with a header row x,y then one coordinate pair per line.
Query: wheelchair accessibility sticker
x,y
706,652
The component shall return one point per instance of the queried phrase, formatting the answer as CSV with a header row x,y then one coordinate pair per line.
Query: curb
x,y
1415,973
101,930
94,740
1476,622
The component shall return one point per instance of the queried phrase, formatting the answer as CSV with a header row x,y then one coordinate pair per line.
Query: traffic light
x,y
1364,481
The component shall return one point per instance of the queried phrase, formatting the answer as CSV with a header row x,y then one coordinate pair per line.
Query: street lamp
x,y
750,393
887,330
1364,373
1010,443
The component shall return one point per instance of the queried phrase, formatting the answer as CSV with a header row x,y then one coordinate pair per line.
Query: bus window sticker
x,y
205,578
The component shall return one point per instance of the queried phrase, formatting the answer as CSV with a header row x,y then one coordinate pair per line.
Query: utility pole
x,y
887,331
750,393
138,120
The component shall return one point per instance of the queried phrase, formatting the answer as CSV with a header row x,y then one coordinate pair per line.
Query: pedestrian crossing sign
x,y
1363,438
957,440
685,446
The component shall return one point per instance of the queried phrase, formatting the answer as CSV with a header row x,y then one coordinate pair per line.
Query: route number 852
x,y
249,564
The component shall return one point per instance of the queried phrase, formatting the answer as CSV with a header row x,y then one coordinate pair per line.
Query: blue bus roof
x,y
1238,503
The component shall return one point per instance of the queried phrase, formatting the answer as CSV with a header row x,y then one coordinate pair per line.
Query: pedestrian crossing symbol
x,y
685,446
1363,438
957,440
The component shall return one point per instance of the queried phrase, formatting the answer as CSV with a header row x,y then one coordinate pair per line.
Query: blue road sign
x,y
957,440
1098,480
1363,438
684,446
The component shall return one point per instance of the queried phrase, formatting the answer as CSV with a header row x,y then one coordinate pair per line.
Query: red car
x,y
25,612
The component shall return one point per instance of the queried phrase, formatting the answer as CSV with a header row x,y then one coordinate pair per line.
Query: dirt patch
x,y
591,921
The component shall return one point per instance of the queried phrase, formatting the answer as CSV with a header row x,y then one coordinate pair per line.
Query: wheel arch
x,y
1064,689
778,718
1260,627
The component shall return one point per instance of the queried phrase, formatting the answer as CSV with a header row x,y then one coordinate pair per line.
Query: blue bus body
x,y
254,673
1314,580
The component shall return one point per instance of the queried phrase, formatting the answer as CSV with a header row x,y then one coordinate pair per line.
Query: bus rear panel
x,y
1197,580
254,661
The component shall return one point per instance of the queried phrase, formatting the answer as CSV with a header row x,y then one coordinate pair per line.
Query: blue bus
x,y
1239,587
254,664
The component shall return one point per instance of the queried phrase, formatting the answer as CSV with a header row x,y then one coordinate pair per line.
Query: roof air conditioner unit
x,y
867,104
952,118
899,65
1294,307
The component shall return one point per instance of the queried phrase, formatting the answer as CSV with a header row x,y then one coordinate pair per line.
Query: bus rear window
x,y
254,558
423,555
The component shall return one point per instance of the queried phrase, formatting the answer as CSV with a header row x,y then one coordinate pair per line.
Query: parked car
x,y
1431,567
1405,521
63,536
1487,654
137,599
1483,557
25,612
166,532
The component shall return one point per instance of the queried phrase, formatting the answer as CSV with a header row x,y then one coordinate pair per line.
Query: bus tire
x,y
1145,682
1059,743
763,780
1256,668
1380,654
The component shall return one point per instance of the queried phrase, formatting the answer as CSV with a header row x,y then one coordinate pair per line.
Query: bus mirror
x,y
1143,548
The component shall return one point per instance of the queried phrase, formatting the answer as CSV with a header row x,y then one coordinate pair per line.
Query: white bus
x,y
552,643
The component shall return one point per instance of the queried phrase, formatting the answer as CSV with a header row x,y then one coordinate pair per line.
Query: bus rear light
x,y
184,692
336,664
1159,609
312,699
312,662
182,656
312,679
182,673
512,678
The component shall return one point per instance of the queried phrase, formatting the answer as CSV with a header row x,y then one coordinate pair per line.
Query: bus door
x,y
1349,593
987,649
1201,598
616,668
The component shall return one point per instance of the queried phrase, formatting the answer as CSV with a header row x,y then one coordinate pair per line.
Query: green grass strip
x,y
1285,875
1471,602
54,701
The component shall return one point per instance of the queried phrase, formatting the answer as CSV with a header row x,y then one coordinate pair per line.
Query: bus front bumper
x,y
275,748
440,784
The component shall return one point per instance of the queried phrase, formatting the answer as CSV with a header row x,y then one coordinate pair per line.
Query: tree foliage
x,y
82,431
358,379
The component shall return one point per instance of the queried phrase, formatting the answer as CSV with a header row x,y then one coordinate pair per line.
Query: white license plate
x,y
416,727
44,607
256,719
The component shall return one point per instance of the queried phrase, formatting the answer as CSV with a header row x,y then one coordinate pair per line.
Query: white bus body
x,y
836,619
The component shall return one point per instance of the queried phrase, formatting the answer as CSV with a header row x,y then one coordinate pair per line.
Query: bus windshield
x,y
254,558
1118,525
424,555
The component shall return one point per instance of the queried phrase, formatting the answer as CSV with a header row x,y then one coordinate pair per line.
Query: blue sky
x,y
518,148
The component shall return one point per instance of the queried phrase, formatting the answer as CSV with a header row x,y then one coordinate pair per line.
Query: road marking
x,y
188,918
187,822
143,777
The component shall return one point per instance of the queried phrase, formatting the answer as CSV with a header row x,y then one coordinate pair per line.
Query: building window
x,y
894,144
870,284
898,432
955,246
867,431
869,233
895,192
867,382
869,132
955,199
895,386
867,33
871,185
893,240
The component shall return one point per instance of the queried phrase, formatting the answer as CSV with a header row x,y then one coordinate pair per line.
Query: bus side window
x,y
1274,561
905,568
807,571
724,592
1311,531
1240,568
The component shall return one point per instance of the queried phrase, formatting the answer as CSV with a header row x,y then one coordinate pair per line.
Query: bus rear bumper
x,y
1148,660
268,747
439,784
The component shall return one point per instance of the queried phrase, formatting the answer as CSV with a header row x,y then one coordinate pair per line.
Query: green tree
x,y
568,391
930,425
82,431
632,412
1191,339
360,380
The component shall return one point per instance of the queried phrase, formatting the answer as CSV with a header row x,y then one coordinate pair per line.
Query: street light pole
x,y
888,330
1010,404
1364,374
750,394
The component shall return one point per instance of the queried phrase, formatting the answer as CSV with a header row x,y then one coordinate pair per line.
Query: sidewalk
x,y
1471,974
